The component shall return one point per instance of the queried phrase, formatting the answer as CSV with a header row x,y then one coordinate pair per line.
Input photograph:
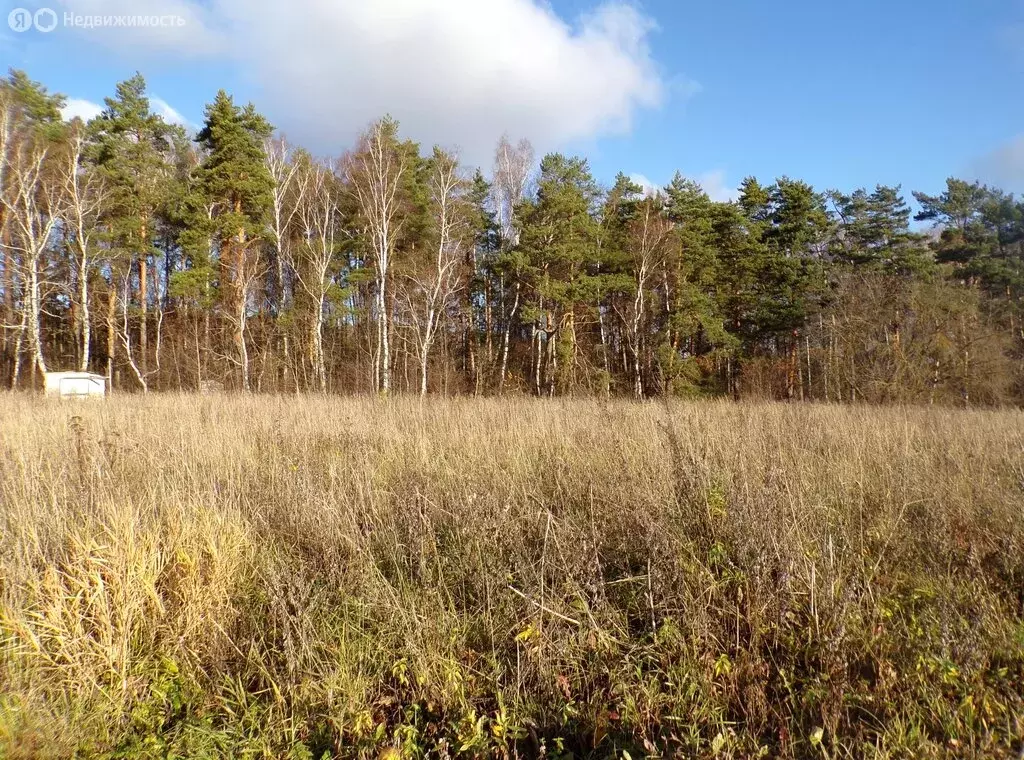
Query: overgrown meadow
x,y
310,577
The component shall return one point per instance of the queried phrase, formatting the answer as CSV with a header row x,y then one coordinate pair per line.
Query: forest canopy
x,y
231,258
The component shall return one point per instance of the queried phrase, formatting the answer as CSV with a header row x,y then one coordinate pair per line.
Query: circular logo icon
x,y
20,19
45,19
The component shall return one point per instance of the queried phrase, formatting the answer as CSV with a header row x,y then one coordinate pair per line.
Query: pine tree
x,y
741,261
559,238
625,270
874,232
982,241
957,208
755,200
33,103
793,284
1001,268
134,148
696,286
234,188
481,264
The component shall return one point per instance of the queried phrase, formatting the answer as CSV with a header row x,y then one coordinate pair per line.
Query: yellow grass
x,y
306,577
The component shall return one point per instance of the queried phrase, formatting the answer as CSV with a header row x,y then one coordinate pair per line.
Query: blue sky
x,y
900,92
839,94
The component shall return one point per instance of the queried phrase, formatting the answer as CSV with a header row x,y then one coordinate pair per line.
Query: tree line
x,y
231,258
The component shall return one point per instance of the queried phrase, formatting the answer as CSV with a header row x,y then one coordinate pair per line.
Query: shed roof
x,y
76,376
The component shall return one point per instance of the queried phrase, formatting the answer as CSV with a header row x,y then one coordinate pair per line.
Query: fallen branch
x,y
550,611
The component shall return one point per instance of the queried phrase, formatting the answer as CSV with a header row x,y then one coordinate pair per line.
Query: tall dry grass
x,y
278,577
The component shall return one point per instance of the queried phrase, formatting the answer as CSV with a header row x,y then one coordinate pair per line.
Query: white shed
x,y
75,385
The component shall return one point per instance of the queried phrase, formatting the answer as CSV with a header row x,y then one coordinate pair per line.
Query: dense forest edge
x,y
232,259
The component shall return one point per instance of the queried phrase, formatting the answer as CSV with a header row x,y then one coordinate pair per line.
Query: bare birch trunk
x,y
111,333
505,339
143,306
83,295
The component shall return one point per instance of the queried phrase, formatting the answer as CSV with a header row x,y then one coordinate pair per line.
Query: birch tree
x,y
34,207
7,284
647,243
286,198
316,252
512,166
430,291
30,126
124,333
85,195
375,173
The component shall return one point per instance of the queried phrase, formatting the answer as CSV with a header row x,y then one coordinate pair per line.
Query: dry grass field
x,y
325,577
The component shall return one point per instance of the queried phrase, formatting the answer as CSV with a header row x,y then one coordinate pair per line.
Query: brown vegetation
x,y
291,577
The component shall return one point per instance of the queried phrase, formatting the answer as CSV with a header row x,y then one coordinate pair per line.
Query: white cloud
x,y
712,182
1003,167
86,110
162,108
649,188
715,185
83,109
197,34
451,71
